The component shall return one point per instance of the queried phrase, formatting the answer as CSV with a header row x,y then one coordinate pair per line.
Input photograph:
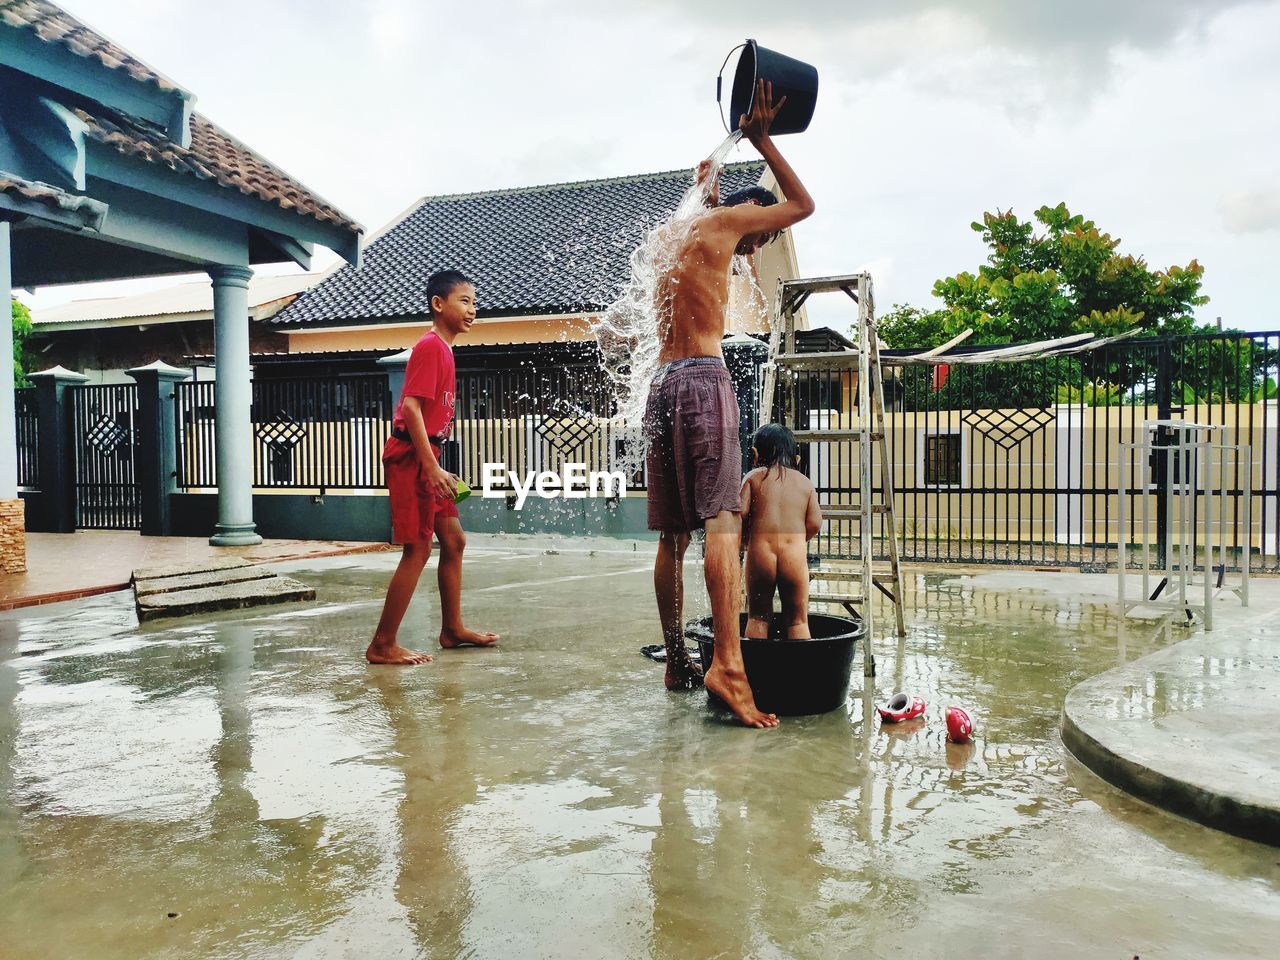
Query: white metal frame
x,y
1189,522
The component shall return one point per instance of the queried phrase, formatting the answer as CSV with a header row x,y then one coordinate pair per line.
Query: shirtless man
x,y
691,418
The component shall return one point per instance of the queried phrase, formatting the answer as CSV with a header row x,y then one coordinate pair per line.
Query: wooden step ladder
x,y
850,586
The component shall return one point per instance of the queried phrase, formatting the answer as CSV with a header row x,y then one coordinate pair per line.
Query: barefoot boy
x,y
422,492
780,515
691,418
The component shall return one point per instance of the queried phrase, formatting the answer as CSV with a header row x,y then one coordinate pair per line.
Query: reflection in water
x,y
252,775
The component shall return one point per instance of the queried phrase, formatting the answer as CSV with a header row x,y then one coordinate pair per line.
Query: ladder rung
x,y
836,360
834,597
824,435
848,511
827,573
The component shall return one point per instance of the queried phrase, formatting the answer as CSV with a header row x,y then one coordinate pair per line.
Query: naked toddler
x,y
780,515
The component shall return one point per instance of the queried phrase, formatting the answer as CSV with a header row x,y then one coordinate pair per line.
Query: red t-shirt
x,y
429,375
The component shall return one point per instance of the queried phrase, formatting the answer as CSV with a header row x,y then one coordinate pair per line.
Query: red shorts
x,y
414,508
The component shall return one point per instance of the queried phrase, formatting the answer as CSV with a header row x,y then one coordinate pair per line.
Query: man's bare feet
x,y
395,655
452,639
682,673
734,690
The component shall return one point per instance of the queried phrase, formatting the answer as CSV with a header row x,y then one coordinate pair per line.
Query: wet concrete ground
x,y
250,774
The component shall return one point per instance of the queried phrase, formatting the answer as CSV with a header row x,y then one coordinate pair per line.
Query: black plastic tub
x,y
793,677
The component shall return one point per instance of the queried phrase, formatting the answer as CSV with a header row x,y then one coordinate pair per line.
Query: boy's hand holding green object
x,y
464,491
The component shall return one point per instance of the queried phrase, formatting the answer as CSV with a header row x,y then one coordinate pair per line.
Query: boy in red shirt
x,y
422,491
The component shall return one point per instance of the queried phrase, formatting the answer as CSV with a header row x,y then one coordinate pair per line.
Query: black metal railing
x,y
538,416
1019,462
313,433
27,436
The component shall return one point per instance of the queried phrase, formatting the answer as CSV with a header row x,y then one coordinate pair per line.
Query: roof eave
x,y
169,108
107,163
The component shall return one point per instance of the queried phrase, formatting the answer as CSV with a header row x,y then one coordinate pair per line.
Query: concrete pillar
x,y
13,538
157,443
232,402
8,430
56,512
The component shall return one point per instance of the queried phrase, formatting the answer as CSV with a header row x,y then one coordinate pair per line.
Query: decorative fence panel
x,y
318,433
104,442
27,435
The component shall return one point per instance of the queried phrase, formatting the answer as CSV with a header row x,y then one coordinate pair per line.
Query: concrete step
x,y
210,578
227,596
187,569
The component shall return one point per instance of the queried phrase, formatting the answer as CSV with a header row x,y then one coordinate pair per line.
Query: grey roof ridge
x,y
573,184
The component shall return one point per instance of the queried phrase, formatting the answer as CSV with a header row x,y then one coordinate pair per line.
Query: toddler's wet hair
x,y
775,446
442,282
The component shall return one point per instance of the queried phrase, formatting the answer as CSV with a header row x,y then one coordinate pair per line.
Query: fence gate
x,y
104,442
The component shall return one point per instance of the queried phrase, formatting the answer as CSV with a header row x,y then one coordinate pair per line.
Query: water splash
x,y
627,330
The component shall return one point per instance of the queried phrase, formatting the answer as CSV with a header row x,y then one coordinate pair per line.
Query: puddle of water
x,y
548,798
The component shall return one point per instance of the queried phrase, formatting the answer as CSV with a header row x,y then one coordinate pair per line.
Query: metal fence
x,y
27,436
104,444
1019,462
538,416
312,433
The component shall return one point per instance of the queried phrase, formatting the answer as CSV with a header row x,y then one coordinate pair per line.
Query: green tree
x,y
1067,277
21,330
1055,276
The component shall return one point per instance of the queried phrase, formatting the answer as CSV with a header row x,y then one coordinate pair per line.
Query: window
x,y
942,460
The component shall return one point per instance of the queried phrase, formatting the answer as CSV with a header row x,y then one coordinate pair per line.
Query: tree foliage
x,y
1058,275
21,330
1067,277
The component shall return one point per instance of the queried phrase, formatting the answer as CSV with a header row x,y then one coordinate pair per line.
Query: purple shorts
x,y
695,456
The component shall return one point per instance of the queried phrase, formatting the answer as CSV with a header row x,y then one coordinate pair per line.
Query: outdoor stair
x,y
228,584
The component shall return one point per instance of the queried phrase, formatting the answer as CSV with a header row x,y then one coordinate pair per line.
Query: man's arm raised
x,y
750,218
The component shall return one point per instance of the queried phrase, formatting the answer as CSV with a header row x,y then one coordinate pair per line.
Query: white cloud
x,y
1251,211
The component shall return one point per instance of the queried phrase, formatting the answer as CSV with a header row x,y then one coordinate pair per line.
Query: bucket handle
x,y
720,82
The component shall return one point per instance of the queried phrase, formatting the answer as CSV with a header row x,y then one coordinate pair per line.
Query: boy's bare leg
x,y
793,589
727,678
762,577
449,578
384,648
668,586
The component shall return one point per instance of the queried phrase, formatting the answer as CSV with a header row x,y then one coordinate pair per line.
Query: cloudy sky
x,y
1156,118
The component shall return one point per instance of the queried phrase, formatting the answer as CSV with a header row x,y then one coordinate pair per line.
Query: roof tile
x,y
559,248
52,24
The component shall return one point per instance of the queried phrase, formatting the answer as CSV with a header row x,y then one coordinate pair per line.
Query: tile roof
x,y
52,24
213,155
86,209
554,249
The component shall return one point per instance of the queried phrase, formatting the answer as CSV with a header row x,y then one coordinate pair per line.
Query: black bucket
x,y
793,78
793,677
